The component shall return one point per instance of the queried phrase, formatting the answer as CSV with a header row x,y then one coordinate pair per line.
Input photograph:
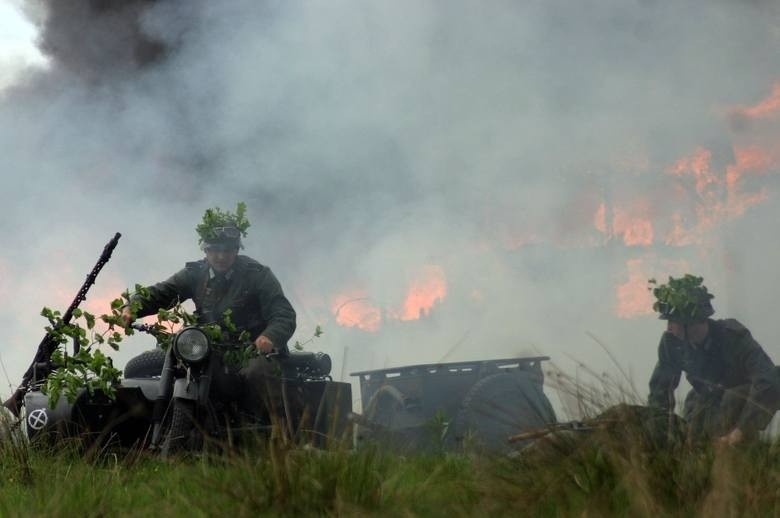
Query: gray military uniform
x,y
735,383
257,304
250,290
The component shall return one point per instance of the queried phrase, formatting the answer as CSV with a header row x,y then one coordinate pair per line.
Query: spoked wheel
x,y
385,407
499,406
394,421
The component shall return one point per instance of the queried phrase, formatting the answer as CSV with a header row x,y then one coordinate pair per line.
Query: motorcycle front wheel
x,y
183,434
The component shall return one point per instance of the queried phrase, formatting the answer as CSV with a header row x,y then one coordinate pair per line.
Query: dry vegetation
x,y
620,469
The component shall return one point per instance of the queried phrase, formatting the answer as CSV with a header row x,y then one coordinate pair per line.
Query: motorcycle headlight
x,y
191,345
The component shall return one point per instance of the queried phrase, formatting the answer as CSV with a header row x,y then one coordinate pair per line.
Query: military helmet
x,y
683,300
701,311
222,230
222,238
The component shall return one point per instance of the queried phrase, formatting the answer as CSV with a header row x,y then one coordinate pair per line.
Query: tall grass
x,y
607,472
624,471
629,465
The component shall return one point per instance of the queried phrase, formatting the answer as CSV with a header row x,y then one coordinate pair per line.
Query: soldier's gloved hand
x,y
264,344
127,316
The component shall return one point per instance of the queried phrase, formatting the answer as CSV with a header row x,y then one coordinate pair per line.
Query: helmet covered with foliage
x,y
222,230
684,299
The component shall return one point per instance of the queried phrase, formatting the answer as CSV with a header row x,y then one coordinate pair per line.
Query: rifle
x,y
41,364
574,426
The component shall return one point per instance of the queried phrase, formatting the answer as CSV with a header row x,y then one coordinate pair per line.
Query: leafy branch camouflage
x,y
216,217
318,332
89,368
685,297
237,351
93,370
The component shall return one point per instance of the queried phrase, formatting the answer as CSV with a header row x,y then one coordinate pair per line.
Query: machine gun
x,y
41,364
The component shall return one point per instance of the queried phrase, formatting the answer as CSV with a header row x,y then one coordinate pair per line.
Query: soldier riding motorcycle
x,y
204,396
225,285
220,284
169,401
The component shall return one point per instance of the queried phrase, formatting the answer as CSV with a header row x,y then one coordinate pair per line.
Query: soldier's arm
x,y
665,377
165,294
764,395
275,309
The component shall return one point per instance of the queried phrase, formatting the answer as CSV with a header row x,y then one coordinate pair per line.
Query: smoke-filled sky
x,y
532,163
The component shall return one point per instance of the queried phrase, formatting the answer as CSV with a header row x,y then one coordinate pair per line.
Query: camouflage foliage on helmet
x,y
684,299
215,219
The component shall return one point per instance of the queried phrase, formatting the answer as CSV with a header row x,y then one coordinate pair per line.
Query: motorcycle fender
x,y
150,388
186,390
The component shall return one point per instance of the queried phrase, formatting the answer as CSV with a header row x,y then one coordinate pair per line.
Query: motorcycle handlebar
x,y
319,363
144,328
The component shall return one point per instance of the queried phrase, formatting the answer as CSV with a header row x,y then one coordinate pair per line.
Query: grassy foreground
x,y
594,474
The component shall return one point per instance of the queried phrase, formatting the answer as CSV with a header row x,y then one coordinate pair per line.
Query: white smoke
x,y
372,138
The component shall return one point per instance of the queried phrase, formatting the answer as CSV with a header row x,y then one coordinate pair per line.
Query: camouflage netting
x,y
684,299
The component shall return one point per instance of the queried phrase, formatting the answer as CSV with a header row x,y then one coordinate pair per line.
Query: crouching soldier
x,y
736,387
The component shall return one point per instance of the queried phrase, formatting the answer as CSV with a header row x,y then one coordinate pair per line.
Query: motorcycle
x,y
199,392
169,401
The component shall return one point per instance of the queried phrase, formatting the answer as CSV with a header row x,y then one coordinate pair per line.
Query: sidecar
x,y
125,420
475,403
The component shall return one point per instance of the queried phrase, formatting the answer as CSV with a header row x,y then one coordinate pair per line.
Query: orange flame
x,y
750,158
636,229
719,197
747,159
424,292
698,165
633,297
98,299
353,309
764,108
709,206
679,235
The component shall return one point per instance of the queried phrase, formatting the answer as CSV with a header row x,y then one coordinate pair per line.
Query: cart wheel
x,y
498,406
148,364
384,406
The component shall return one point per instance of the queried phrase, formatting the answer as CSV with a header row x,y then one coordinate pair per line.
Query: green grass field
x,y
616,472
